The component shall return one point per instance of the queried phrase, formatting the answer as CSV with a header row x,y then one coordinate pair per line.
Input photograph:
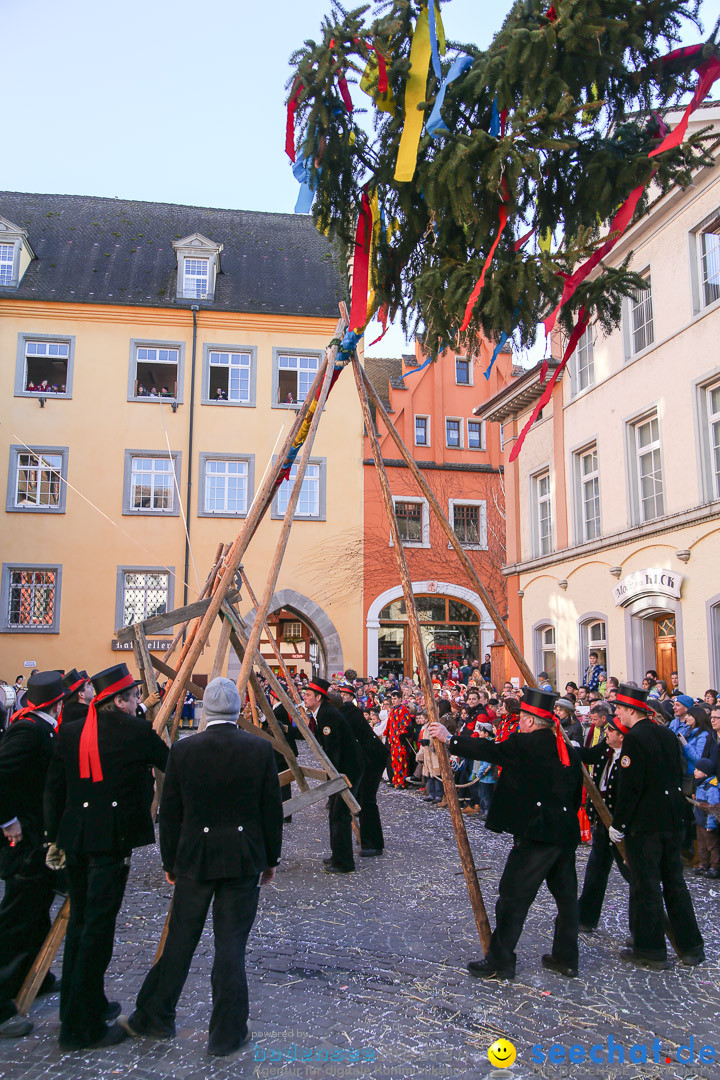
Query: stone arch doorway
x,y
330,653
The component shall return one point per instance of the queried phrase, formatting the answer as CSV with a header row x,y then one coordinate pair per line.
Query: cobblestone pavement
x,y
371,966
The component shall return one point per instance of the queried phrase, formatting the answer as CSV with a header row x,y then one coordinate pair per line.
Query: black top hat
x,y
538,702
346,688
73,680
113,680
633,696
320,686
45,688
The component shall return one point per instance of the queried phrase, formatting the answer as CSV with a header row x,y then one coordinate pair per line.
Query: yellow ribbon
x,y
376,224
369,84
415,92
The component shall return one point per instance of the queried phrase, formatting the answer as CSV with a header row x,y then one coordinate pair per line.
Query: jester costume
x,y
398,725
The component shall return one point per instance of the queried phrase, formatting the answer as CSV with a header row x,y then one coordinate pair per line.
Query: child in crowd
x,y
707,813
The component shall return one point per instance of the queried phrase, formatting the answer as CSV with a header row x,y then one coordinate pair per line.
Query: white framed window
x,y
476,434
712,397
7,265
463,371
196,278
30,598
468,518
293,375
156,371
638,324
311,501
292,631
646,473
229,376
453,433
583,368
422,430
705,266
413,521
542,513
142,592
150,483
713,626
593,638
37,479
587,494
44,366
545,650
226,487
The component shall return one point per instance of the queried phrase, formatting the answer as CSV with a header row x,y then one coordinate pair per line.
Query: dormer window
x,y
15,254
198,266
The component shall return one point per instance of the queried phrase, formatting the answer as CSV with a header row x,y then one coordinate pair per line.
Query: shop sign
x,y
655,581
153,644
30,663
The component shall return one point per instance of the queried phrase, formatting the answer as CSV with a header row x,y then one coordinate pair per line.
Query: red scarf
x,y
89,751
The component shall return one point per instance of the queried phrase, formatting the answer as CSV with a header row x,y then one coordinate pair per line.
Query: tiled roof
x,y
116,251
383,373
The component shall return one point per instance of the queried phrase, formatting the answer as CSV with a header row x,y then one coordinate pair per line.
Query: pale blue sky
x,y
169,100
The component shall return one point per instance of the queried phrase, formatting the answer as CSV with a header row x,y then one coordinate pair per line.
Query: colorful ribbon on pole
x,y
415,92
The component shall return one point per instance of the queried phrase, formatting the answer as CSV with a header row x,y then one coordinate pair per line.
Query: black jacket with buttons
x,y
649,794
536,797
221,810
335,735
25,754
112,815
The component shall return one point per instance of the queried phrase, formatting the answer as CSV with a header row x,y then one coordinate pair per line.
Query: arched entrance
x,y
654,637
326,657
454,626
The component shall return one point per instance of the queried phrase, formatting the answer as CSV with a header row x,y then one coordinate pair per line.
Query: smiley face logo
x,y
502,1053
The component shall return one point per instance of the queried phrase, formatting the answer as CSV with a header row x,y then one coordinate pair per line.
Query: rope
x,y
179,499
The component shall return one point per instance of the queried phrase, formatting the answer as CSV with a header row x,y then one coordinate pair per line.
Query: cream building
x,y
613,505
152,358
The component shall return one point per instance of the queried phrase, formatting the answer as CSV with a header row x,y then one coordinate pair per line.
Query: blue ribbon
x,y
346,349
306,194
435,52
498,348
495,120
435,125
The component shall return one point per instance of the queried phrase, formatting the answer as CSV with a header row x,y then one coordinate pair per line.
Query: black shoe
x,y
486,969
328,861
550,962
15,1027
49,985
231,1053
331,868
114,1008
370,852
690,959
587,928
114,1035
629,943
141,1031
713,872
287,820
700,871
644,961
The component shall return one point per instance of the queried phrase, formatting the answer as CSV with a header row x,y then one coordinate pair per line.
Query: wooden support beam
x,y
43,960
171,674
466,856
206,589
157,623
316,794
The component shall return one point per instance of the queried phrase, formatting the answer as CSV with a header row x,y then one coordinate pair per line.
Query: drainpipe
x,y
188,496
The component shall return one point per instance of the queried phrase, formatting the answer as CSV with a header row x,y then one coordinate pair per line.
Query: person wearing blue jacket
x,y
707,821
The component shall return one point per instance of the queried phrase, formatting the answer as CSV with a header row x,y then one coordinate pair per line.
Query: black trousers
x,y
528,865
340,819
602,854
24,923
235,902
96,886
371,834
656,875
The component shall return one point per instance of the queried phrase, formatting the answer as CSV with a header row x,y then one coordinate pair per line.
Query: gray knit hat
x,y
221,700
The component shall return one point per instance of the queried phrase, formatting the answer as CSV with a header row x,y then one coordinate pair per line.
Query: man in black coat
x,y
337,740
291,736
650,817
25,755
220,839
79,692
376,755
97,809
536,799
604,758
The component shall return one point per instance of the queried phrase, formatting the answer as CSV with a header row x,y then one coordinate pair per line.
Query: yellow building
x,y
152,359
613,504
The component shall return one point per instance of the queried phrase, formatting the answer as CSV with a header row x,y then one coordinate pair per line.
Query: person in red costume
x,y
399,723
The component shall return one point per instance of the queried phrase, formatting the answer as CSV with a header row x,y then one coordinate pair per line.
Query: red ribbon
x,y
361,267
561,744
709,72
342,83
383,318
290,125
89,751
503,217
583,320
523,240
633,702
21,714
536,710
382,71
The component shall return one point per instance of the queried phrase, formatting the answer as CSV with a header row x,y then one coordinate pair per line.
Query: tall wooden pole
x,y
466,856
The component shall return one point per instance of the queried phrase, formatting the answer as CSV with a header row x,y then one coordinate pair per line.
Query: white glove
x,y
55,857
615,835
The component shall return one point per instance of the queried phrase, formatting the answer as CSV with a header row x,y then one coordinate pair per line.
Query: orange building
x,y
462,461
